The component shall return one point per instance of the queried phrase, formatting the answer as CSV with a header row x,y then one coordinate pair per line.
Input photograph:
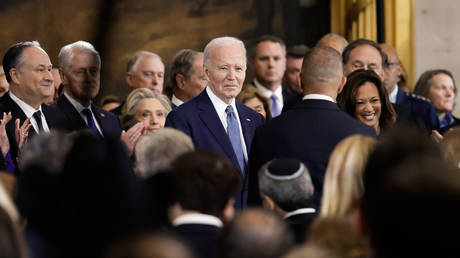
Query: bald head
x,y
334,41
322,71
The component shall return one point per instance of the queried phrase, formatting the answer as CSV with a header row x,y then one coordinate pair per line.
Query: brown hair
x,y
250,92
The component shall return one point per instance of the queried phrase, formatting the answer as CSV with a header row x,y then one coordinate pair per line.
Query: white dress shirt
x,y
393,94
318,96
198,218
176,101
268,93
29,111
299,211
220,106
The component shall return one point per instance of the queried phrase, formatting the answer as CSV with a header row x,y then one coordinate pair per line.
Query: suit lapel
x,y
246,123
71,113
209,117
100,117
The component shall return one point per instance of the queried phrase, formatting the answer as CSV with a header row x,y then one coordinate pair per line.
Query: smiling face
x,y
151,113
364,57
368,105
442,93
34,78
226,70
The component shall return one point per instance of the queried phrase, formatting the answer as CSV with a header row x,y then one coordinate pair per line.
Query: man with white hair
x,y
79,68
143,70
214,119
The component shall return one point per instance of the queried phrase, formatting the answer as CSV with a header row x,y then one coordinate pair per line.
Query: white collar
x,y
268,93
198,218
77,105
299,211
219,104
176,101
393,94
318,96
26,108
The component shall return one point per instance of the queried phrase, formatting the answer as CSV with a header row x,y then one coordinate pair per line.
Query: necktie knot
x,y
229,111
38,118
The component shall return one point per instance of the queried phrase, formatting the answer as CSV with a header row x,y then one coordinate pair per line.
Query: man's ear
x,y
229,211
14,74
63,77
180,81
342,84
268,203
128,79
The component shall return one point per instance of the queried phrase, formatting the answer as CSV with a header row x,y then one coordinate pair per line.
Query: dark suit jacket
x,y
300,225
200,238
54,118
117,111
409,117
424,108
109,123
198,119
308,132
289,98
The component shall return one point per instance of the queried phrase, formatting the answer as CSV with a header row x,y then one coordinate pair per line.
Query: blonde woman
x,y
343,184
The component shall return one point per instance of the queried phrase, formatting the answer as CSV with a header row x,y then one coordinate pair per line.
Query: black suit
x,y
200,238
54,118
108,122
307,132
300,225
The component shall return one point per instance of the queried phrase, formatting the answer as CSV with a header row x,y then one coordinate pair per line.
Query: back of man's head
x,y
287,182
322,70
255,233
205,181
411,202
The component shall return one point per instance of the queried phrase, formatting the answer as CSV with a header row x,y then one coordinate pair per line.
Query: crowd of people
x,y
323,154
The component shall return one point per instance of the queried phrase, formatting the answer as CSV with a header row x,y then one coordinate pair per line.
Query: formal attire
x,y
406,116
106,124
205,119
117,111
308,132
423,106
299,222
42,119
175,102
278,99
199,232
448,122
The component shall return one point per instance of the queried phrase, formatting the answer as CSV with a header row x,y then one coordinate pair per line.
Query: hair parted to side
x,y
182,64
67,52
13,57
422,87
220,42
131,66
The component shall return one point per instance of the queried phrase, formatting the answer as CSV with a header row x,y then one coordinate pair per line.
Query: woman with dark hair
x,y
365,98
439,87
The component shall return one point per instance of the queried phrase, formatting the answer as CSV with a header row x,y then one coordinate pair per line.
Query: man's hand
x,y
21,133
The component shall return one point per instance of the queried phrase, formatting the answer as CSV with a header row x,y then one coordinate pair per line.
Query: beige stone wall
x,y
437,38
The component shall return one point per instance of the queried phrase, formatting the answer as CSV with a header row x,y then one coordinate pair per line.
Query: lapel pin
x,y
247,119
102,115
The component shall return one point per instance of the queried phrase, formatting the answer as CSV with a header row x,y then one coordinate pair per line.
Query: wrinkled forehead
x,y
148,62
365,54
232,54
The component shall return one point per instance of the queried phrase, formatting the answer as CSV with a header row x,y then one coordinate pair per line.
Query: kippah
x,y
284,169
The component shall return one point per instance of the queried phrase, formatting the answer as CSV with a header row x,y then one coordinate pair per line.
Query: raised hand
x,y
130,137
4,142
21,133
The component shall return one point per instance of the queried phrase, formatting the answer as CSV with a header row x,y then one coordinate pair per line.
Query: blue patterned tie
x,y
233,130
91,124
275,107
38,118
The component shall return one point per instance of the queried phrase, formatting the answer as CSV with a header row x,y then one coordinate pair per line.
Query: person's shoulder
x,y
417,99
103,113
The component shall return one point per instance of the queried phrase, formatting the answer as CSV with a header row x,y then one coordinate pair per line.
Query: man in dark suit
x,y
268,60
310,130
28,71
286,189
214,119
79,67
203,200
187,76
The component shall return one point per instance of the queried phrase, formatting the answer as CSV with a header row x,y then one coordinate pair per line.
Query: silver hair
x,y
335,35
155,152
133,62
133,100
220,42
287,194
66,54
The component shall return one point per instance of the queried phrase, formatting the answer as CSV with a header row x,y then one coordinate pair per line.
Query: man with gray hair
x,y
155,152
334,41
286,189
214,119
187,76
79,68
143,70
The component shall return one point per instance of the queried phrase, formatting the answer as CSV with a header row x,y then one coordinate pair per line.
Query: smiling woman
x,y
364,98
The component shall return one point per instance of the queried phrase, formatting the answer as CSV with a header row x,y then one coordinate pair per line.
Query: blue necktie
x,y
233,130
91,124
38,118
275,107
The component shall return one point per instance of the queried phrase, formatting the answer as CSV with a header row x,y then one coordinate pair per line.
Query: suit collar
x,y
198,218
299,211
